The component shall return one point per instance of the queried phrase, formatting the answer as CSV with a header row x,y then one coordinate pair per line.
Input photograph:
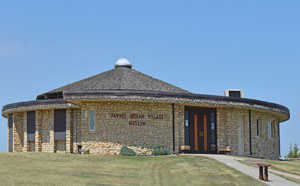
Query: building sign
x,y
116,115
137,123
137,119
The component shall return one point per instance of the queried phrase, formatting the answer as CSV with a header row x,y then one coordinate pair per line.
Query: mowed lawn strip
x,y
72,169
289,166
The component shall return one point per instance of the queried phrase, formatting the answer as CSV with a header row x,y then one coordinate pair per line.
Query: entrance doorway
x,y
202,129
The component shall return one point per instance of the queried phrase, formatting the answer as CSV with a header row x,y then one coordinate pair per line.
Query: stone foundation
x,y
109,148
18,139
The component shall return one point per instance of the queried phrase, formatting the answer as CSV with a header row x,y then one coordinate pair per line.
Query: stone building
x,y
125,107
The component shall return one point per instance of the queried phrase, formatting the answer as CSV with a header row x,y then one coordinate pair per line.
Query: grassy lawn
x,y
288,166
289,178
71,169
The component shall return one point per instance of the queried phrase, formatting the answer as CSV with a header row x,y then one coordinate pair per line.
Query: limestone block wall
x,y
45,131
227,135
129,123
141,125
75,122
18,136
263,145
227,132
179,127
69,128
60,146
25,144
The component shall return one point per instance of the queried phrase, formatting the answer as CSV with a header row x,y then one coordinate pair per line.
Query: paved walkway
x,y
232,161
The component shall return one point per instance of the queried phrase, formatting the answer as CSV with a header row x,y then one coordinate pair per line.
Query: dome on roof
x,y
122,62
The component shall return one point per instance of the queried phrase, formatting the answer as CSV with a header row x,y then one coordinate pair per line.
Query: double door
x,y
202,130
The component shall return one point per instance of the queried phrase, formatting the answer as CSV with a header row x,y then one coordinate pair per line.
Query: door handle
x,y
200,133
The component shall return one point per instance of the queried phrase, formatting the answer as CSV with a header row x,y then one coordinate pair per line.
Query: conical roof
x,y
119,78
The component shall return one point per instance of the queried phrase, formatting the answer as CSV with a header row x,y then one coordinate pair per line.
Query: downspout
x,y
250,142
173,126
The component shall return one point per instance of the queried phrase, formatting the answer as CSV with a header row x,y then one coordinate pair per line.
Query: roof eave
x,y
177,98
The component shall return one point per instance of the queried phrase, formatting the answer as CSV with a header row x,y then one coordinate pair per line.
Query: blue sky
x,y
202,46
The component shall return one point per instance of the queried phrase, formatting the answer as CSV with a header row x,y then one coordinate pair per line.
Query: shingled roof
x,y
119,78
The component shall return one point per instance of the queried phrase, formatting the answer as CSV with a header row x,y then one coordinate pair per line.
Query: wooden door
x,y
194,132
201,131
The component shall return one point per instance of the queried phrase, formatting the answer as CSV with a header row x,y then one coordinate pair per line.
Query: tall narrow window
x,y
60,122
10,121
92,120
186,128
31,126
257,127
273,129
269,129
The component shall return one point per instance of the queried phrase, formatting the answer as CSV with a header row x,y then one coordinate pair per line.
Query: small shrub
x,y
160,150
125,151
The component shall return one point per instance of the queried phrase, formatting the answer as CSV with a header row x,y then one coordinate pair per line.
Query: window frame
x,y
273,129
10,120
31,120
89,120
258,128
270,129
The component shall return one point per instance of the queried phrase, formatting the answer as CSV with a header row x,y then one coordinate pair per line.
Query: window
x,y
270,129
10,121
257,127
31,126
31,122
92,120
60,122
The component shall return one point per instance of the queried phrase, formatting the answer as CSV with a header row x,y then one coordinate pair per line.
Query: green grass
x,y
288,166
288,178
71,169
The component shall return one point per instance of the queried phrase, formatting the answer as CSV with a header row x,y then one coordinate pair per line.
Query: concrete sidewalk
x,y
232,161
